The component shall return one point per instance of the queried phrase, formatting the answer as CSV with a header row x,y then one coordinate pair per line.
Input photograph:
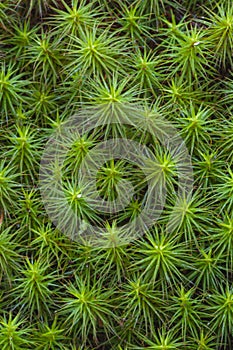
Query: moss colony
x,y
164,290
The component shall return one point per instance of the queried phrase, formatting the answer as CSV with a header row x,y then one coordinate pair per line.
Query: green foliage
x,y
94,52
220,31
134,22
195,126
74,18
36,7
190,217
154,62
13,333
222,240
186,312
162,339
35,287
220,305
146,70
11,85
112,260
9,257
88,306
19,39
24,150
224,190
143,306
208,269
8,187
161,258
44,54
50,337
